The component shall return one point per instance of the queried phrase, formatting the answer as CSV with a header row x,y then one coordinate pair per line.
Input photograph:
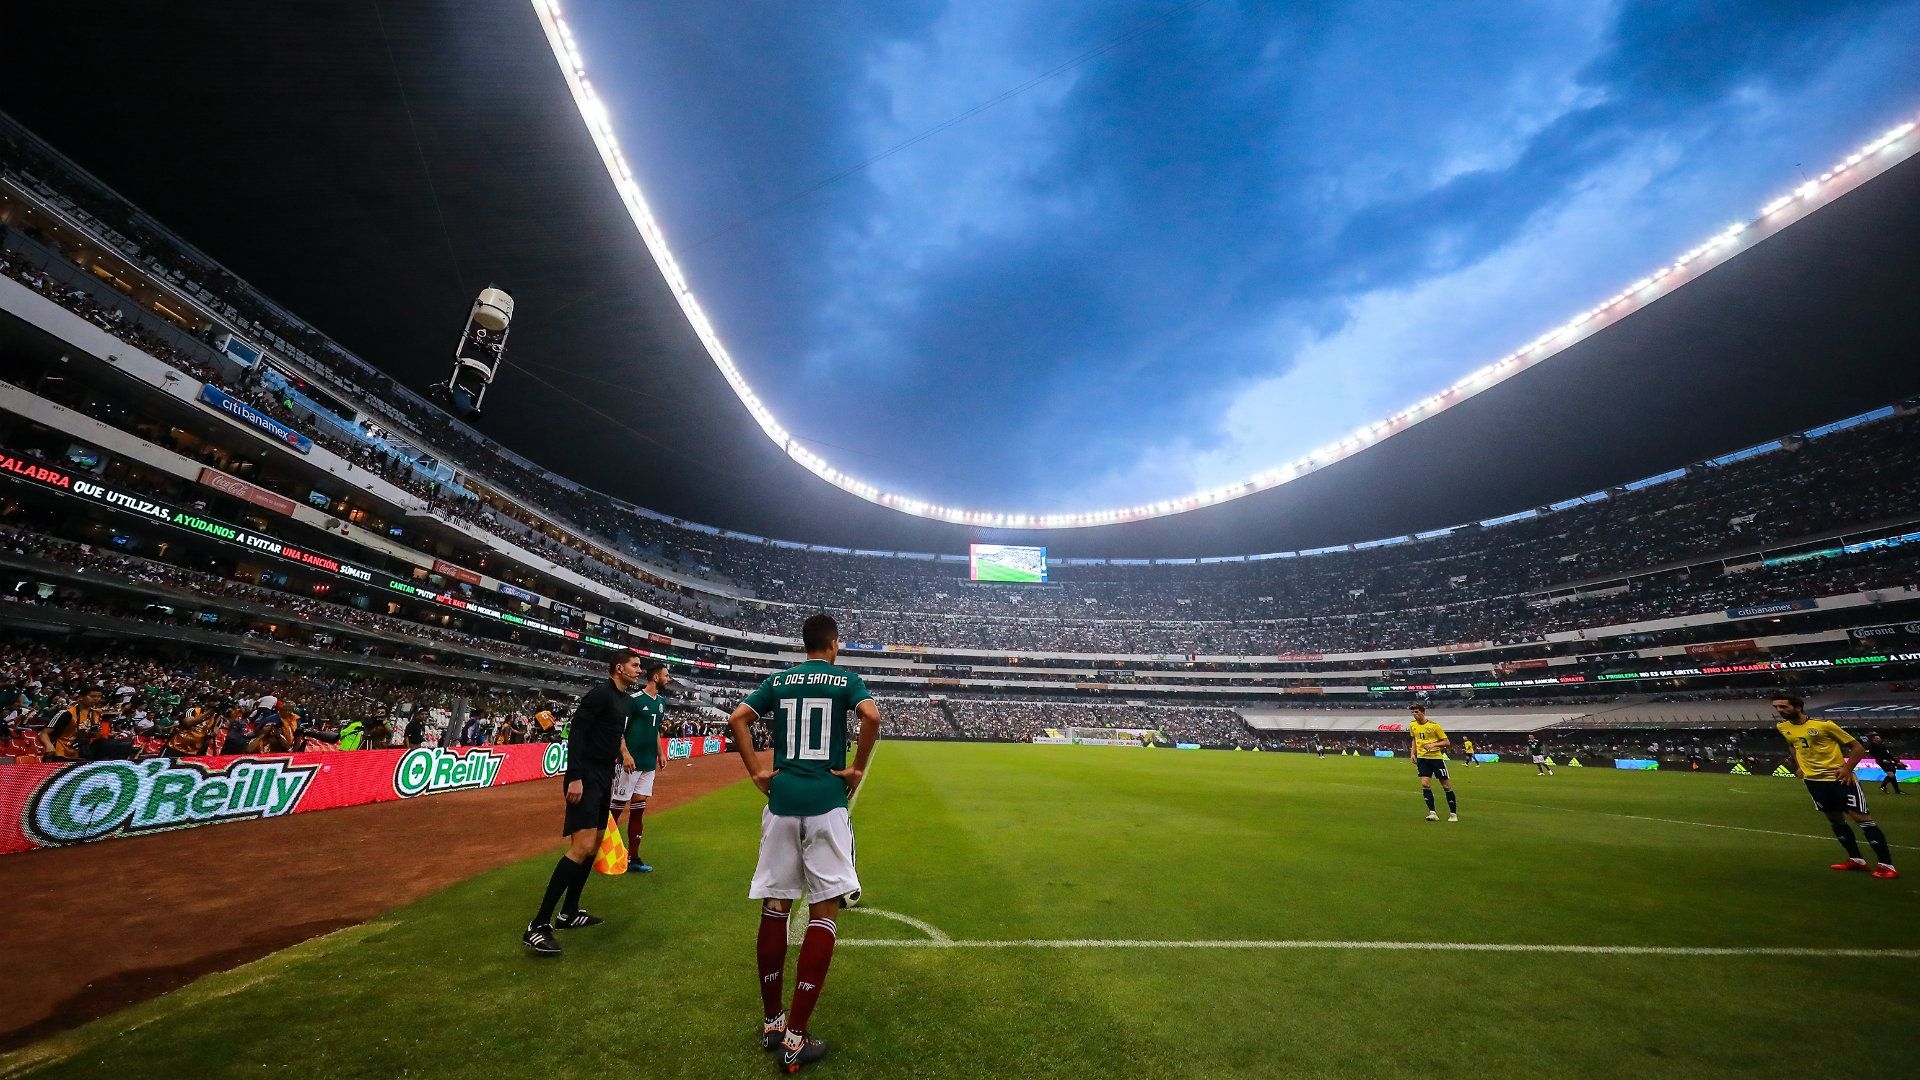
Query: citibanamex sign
x,y
426,770
108,798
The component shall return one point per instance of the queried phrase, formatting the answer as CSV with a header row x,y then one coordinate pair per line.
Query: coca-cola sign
x,y
240,489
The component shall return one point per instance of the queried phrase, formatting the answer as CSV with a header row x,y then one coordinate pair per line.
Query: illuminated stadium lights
x,y
1883,152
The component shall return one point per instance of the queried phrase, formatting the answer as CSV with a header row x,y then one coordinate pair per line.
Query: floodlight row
x,y
1881,153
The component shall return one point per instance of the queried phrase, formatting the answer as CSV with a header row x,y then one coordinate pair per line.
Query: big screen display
x,y
1003,562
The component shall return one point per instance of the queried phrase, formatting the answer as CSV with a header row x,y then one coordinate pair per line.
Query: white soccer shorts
x,y
1539,759
631,785
805,855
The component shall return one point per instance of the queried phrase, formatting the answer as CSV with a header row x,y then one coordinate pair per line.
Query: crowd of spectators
x,y
144,695
1501,584
571,549
191,585
248,385
1057,627
1022,721
1810,486
914,718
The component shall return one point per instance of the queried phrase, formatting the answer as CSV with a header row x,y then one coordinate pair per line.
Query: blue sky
x,y
1230,238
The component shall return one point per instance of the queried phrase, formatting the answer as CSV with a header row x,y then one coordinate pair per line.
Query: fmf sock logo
x,y
427,770
104,798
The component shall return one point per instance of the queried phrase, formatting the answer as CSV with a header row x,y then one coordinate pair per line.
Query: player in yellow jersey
x,y
1430,746
1466,747
1824,756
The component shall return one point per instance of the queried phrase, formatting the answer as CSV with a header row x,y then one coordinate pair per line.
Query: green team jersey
x,y
643,730
809,709
1534,748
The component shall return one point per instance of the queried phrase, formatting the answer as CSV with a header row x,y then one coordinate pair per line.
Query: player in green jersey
x,y
640,758
1537,750
806,836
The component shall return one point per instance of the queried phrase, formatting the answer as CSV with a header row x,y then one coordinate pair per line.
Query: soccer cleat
x,y
797,1050
576,921
773,1033
1453,817
1431,816
639,867
1885,871
539,938
1850,864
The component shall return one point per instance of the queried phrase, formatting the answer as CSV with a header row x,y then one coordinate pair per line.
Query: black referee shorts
x,y
596,801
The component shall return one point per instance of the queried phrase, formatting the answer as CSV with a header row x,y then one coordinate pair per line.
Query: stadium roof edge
x,y
1879,413
1875,157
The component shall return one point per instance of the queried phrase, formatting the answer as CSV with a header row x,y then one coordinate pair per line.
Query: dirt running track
x,y
92,929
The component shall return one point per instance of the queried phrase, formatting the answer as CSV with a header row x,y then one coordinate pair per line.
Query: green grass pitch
x,y
987,570
1019,843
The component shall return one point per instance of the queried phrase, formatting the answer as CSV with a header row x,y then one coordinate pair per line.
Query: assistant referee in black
x,y
593,747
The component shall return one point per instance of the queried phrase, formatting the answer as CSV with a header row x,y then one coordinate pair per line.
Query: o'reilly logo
x,y
555,762
427,770
104,798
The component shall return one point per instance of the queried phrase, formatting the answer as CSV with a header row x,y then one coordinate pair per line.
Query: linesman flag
x,y
612,857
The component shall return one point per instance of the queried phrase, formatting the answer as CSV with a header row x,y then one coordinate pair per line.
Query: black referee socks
x,y
557,885
581,872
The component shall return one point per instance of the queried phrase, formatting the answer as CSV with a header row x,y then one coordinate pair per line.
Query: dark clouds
x,y
1059,300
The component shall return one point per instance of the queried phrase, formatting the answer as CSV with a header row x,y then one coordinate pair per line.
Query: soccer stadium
x,y
1381,611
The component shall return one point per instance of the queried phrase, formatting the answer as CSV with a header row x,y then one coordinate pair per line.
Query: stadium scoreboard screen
x,y
1002,562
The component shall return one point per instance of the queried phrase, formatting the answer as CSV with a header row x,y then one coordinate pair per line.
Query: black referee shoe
x,y
576,921
539,938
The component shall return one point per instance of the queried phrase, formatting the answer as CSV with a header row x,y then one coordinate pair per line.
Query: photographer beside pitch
x,y
594,745
806,835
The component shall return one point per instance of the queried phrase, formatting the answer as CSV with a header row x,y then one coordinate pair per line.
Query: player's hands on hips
x,y
852,776
763,779
575,790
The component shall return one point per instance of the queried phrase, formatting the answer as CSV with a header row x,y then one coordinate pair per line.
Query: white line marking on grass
x,y
937,936
1393,946
937,939
854,799
1678,821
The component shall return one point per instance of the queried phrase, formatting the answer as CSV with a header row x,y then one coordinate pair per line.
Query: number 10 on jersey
x,y
806,723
